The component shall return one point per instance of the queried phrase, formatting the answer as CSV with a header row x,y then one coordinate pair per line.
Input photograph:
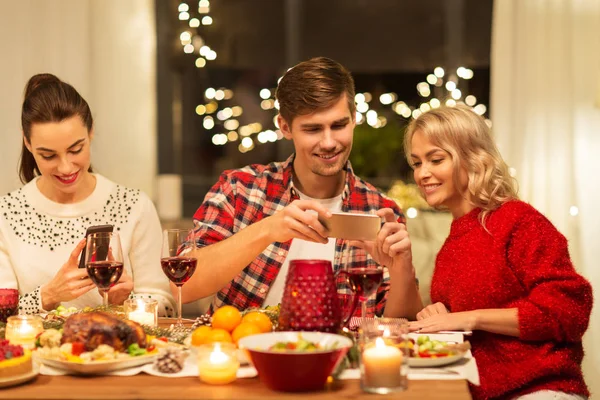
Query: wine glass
x,y
364,282
104,261
175,262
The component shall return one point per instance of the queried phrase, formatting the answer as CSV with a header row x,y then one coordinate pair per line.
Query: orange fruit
x,y
219,335
200,335
226,317
259,319
244,329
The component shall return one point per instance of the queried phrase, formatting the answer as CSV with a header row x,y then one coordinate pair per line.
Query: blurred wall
x,y
106,50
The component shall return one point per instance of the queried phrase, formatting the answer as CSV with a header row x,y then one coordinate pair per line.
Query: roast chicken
x,y
96,328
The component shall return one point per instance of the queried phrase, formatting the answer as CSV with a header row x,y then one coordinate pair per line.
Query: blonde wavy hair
x,y
468,139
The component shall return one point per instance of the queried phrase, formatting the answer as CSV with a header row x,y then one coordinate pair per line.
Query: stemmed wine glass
x,y
364,282
104,261
175,262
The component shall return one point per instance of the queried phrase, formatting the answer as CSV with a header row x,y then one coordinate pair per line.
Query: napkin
x,y
462,369
190,368
355,322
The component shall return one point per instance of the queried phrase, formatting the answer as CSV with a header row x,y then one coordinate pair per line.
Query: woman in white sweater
x,y
43,224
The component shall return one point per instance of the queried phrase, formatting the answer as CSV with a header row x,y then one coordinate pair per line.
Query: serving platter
x,y
97,367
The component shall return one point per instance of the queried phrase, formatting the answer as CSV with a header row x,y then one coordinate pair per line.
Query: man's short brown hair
x,y
313,85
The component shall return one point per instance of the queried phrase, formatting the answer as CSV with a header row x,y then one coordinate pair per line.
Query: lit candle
x,y
381,365
142,317
142,312
218,367
23,330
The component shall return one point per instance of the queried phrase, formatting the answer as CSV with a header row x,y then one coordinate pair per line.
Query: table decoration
x,y
383,355
217,363
23,329
144,312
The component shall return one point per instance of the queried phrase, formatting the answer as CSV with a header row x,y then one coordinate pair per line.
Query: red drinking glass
x,y
310,299
9,303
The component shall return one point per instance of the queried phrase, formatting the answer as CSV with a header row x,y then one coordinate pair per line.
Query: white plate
x,y
15,380
433,362
98,367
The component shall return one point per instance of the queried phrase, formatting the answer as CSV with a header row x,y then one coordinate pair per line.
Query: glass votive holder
x,y
9,303
142,311
383,355
217,363
23,330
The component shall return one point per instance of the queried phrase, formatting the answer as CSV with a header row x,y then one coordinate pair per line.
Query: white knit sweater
x,y
37,236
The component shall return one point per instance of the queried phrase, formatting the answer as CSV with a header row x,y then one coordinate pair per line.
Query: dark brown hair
x,y
313,85
48,99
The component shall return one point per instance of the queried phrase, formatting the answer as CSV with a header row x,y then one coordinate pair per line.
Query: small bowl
x,y
293,371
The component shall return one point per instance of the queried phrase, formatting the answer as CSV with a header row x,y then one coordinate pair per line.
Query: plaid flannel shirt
x,y
244,196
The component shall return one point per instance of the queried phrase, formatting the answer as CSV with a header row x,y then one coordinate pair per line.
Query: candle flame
x,y
386,332
379,343
217,356
140,304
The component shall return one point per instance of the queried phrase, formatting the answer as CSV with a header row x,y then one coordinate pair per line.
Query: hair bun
x,y
39,80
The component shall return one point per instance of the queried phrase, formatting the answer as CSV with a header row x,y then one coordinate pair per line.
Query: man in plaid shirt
x,y
255,219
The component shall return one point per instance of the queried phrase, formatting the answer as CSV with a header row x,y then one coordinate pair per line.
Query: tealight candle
x,y
142,311
382,365
23,330
217,363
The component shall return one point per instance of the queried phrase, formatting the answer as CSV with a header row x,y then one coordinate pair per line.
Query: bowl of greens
x,y
295,361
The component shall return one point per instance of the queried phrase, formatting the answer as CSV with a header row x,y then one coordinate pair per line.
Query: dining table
x,y
144,386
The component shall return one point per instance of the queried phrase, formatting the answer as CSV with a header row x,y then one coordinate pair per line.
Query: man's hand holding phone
x,y
299,220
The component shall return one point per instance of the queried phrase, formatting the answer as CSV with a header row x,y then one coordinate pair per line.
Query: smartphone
x,y
353,226
91,230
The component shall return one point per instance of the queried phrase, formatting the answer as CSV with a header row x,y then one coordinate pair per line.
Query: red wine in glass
x,y
365,281
178,269
178,260
9,303
105,274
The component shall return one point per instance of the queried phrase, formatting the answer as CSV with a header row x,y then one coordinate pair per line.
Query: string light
x,y
265,94
412,212
574,211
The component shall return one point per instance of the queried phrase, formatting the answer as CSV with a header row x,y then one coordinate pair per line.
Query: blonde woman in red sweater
x,y
504,271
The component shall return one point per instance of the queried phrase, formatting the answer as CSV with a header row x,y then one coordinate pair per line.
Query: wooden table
x,y
144,386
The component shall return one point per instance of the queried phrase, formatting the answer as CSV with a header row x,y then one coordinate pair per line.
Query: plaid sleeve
x,y
214,219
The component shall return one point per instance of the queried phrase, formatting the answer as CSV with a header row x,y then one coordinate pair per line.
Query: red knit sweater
x,y
523,262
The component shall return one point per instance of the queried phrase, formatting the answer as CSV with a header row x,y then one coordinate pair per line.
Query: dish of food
x,y
96,342
97,366
18,379
301,345
425,352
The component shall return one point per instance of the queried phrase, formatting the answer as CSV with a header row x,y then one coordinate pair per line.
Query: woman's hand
x,y
459,321
121,291
69,283
392,247
431,310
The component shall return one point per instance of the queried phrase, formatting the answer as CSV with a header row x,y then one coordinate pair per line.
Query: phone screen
x,y
91,230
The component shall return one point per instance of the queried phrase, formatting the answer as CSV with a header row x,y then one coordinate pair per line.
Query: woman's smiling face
x,y
62,153
434,173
